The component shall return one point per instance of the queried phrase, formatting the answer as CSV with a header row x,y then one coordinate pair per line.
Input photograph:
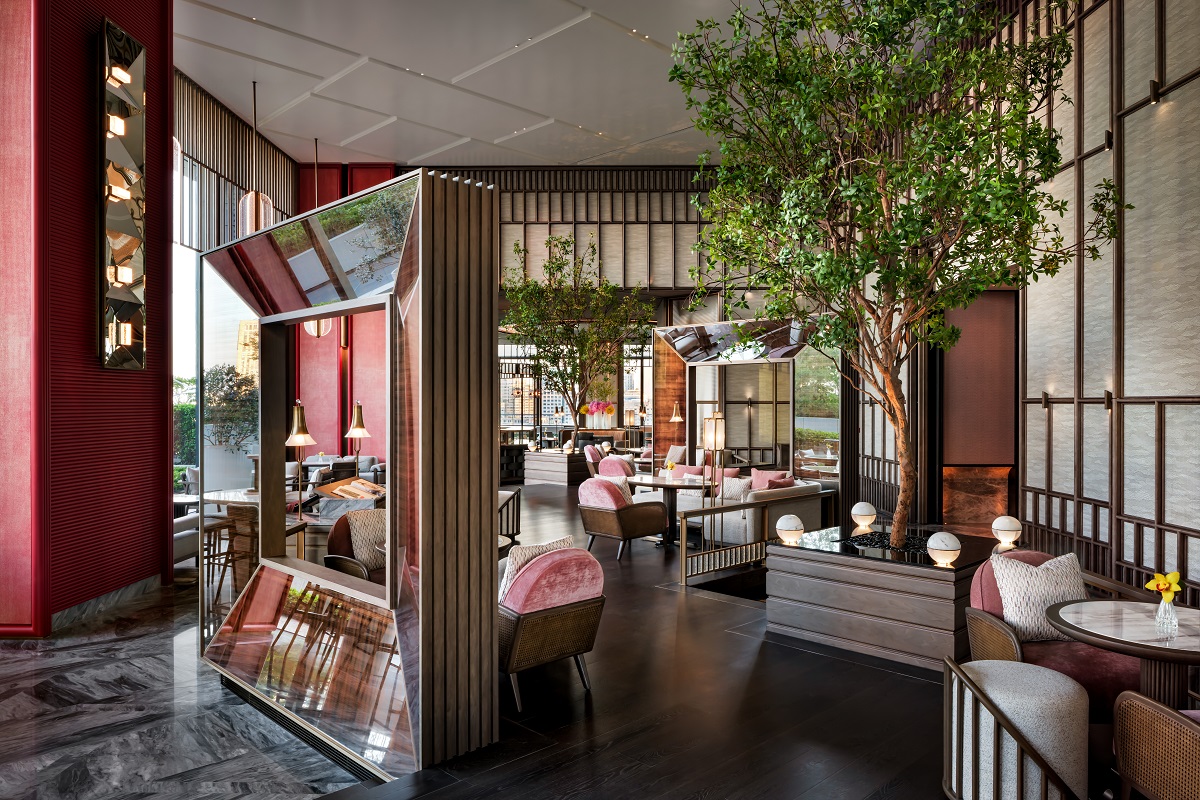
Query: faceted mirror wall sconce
x,y
122,200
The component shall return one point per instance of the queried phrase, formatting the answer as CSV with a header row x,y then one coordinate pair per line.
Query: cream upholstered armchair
x,y
1000,742
606,511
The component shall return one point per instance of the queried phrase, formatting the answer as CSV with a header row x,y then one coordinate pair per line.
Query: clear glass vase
x,y
1166,621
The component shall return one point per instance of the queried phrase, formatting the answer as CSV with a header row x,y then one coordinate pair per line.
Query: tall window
x,y
817,392
638,384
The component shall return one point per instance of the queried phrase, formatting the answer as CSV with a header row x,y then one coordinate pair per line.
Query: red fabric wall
x,y
364,176
980,384
21,551
319,383
106,478
329,186
368,378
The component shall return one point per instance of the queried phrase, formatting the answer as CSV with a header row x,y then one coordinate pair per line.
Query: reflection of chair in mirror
x,y
352,545
550,612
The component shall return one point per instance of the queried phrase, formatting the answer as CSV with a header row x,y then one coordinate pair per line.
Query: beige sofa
x,y
745,525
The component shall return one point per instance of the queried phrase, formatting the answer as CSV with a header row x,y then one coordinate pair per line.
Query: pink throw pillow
x,y
759,477
686,469
781,483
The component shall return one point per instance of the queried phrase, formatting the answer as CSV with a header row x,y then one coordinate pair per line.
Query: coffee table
x,y
1127,626
669,487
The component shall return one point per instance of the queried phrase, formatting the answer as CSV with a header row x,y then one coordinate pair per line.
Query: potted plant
x,y
575,322
879,168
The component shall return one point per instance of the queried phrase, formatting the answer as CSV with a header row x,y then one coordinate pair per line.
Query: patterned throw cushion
x,y
781,483
621,482
1027,591
521,554
367,529
735,490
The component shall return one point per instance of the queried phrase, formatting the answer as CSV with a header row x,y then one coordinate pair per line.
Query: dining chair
x,y
1158,749
605,512
551,612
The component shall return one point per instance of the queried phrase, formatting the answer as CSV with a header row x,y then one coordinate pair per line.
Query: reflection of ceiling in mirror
x,y
342,252
736,342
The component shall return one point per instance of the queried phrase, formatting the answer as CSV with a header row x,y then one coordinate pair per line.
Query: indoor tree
x,y
576,322
882,162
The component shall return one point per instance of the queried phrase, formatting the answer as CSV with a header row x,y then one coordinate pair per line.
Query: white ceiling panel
x,y
663,20
612,83
302,150
682,147
440,105
474,153
241,34
325,119
442,38
505,81
402,141
560,142
227,77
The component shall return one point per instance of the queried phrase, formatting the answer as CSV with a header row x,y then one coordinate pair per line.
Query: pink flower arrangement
x,y
599,407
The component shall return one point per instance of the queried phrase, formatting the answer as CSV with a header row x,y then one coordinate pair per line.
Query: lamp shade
x,y
714,432
863,513
675,415
299,436
1006,529
789,529
358,430
318,327
943,548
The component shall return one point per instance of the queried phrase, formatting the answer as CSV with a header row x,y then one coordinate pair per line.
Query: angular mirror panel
x,y
123,195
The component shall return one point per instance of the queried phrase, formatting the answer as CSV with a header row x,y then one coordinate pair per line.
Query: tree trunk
x,y
908,484
898,416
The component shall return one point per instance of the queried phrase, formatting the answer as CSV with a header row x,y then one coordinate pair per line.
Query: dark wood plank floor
x,y
692,699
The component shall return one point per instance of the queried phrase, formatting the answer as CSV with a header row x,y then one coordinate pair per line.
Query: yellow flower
x,y
669,465
1166,585
583,409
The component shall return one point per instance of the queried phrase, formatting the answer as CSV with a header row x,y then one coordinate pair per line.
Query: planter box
x,y
555,466
897,606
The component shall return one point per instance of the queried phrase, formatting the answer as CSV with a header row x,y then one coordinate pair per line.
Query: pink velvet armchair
x,y
550,612
605,512
1103,673
592,456
615,466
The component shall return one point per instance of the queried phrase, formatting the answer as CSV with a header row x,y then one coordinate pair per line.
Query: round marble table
x,y
669,487
1127,626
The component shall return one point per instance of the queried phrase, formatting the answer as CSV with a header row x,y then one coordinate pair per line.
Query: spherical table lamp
x,y
789,529
943,548
863,513
1007,529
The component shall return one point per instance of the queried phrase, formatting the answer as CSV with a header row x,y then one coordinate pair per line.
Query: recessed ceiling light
x,y
647,36
530,39
635,30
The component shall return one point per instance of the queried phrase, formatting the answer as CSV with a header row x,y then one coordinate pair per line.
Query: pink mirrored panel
x,y
330,659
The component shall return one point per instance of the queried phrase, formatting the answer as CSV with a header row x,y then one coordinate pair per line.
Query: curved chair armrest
x,y
992,639
643,519
348,565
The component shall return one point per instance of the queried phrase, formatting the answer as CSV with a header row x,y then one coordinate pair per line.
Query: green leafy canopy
x,y
576,322
882,163
879,167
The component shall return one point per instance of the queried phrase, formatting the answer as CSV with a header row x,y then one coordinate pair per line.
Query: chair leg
x,y
581,665
591,539
512,677
1126,788
620,549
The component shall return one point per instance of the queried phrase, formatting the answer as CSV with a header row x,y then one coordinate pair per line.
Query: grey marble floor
x,y
121,707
